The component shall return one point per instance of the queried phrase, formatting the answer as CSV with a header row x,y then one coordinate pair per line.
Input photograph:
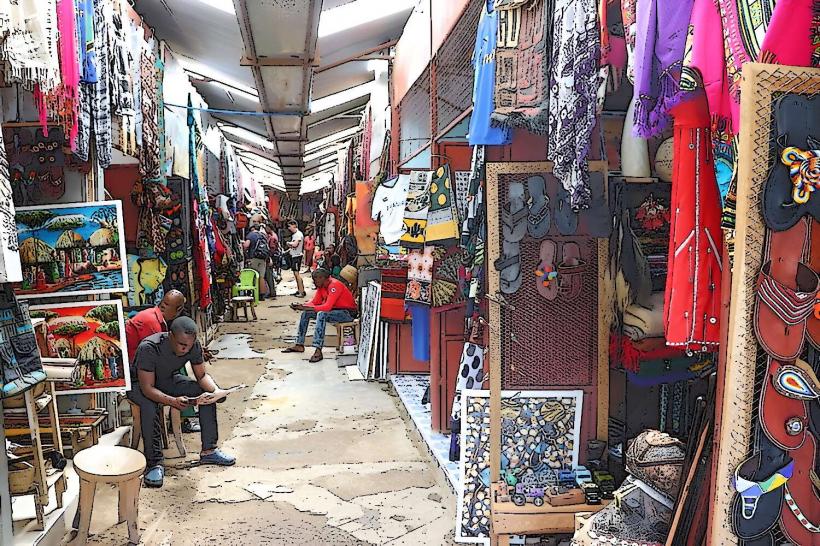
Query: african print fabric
x,y
150,148
29,29
574,80
10,268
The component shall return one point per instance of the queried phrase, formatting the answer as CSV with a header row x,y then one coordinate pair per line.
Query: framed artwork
x,y
371,304
73,249
540,434
93,333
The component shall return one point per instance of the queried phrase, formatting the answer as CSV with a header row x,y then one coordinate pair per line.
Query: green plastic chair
x,y
248,282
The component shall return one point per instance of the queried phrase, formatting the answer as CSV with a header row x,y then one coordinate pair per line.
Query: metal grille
x,y
550,343
414,117
454,71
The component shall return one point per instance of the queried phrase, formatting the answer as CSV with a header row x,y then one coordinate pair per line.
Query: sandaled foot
x,y
217,458
317,356
154,476
294,349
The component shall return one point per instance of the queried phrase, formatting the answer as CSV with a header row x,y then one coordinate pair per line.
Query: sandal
x,y
783,419
565,218
316,358
570,271
538,220
514,214
800,515
509,267
547,273
293,350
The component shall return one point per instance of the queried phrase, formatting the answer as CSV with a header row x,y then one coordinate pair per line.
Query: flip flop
x,y
565,218
783,419
316,358
800,514
292,350
570,271
797,118
786,293
514,214
813,322
547,272
538,221
509,267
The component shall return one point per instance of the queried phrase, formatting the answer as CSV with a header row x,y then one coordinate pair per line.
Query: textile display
x,y
416,209
693,284
10,267
72,249
61,103
548,426
20,362
482,129
662,29
120,61
471,368
145,278
573,95
420,330
201,212
442,217
95,101
29,29
388,207
521,81
93,333
365,229
394,288
150,103
420,276
448,276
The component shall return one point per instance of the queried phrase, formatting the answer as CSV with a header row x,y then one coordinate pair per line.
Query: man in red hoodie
x,y
333,303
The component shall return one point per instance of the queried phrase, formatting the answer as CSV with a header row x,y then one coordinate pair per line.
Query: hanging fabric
x,y
442,216
10,267
85,31
150,100
662,28
573,95
28,39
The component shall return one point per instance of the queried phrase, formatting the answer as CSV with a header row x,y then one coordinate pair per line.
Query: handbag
x,y
657,459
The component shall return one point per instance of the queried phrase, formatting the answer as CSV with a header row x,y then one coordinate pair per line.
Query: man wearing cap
x,y
156,380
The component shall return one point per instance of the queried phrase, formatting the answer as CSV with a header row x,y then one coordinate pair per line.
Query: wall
x,y
413,51
445,14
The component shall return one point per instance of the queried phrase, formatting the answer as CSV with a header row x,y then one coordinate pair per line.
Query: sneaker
x,y
154,476
191,425
218,458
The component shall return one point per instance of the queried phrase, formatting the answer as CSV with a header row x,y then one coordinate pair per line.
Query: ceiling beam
x,y
356,56
276,61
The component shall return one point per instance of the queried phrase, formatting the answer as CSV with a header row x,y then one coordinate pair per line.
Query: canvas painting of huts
x,y
92,334
72,249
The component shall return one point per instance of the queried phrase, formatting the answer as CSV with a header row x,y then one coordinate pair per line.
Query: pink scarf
x,y
63,101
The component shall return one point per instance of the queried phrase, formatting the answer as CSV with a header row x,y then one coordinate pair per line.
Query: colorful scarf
x,y
661,39
150,149
61,103
574,80
28,50
95,102
85,29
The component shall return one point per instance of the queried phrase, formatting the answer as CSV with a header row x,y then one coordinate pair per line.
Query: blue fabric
x,y
85,28
420,330
336,316
482,131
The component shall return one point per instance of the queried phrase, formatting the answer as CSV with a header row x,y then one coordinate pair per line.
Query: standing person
x,y
296,251
310,250
156,380
333,303
275,261
257,254
111,359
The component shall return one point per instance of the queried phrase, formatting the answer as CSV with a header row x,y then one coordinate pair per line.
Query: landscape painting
x,y
93,333
72,249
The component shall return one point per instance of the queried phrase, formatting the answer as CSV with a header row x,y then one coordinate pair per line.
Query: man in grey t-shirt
x,y
156,380
296,249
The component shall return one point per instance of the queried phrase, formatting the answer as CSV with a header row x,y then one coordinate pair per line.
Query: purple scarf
x,y
662,27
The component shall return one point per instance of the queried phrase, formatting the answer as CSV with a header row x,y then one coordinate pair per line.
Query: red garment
x,y
140,326
334,296
692,300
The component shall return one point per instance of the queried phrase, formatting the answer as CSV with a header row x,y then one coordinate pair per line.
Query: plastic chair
x,y
248,282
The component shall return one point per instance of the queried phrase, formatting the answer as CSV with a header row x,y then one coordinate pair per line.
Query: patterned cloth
x,y
95,103
150,150
661,38
10,268
574,80
28,50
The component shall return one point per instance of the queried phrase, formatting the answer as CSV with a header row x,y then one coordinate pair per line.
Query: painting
x,y
93,333
73,249
146,277
540,433
371,302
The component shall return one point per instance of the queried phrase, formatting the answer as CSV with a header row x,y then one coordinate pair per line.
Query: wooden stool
x,y
115,465
244,303
176,427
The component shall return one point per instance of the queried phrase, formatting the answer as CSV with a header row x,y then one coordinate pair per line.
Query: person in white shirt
x,y
296,250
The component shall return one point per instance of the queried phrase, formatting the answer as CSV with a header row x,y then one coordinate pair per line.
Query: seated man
x,y
156,380
333,303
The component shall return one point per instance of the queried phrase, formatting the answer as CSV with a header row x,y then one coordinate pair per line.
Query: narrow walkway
x,y
321,460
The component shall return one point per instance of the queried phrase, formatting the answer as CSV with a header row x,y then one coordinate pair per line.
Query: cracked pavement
x,y
320,460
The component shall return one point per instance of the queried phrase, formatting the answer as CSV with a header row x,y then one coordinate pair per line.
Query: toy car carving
x,y
592,493
606,482
524,493
582,475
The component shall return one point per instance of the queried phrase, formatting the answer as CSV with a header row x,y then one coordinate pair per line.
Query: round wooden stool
x,y
115,465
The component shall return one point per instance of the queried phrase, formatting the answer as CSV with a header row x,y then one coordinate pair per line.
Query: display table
x,y
509,519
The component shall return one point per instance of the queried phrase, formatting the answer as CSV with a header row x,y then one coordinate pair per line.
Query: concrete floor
x,y
320,460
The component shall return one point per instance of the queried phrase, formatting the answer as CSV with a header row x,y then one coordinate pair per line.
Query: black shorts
x,y
296,263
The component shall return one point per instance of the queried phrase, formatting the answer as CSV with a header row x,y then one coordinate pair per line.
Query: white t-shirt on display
x,y
388,207
299,250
